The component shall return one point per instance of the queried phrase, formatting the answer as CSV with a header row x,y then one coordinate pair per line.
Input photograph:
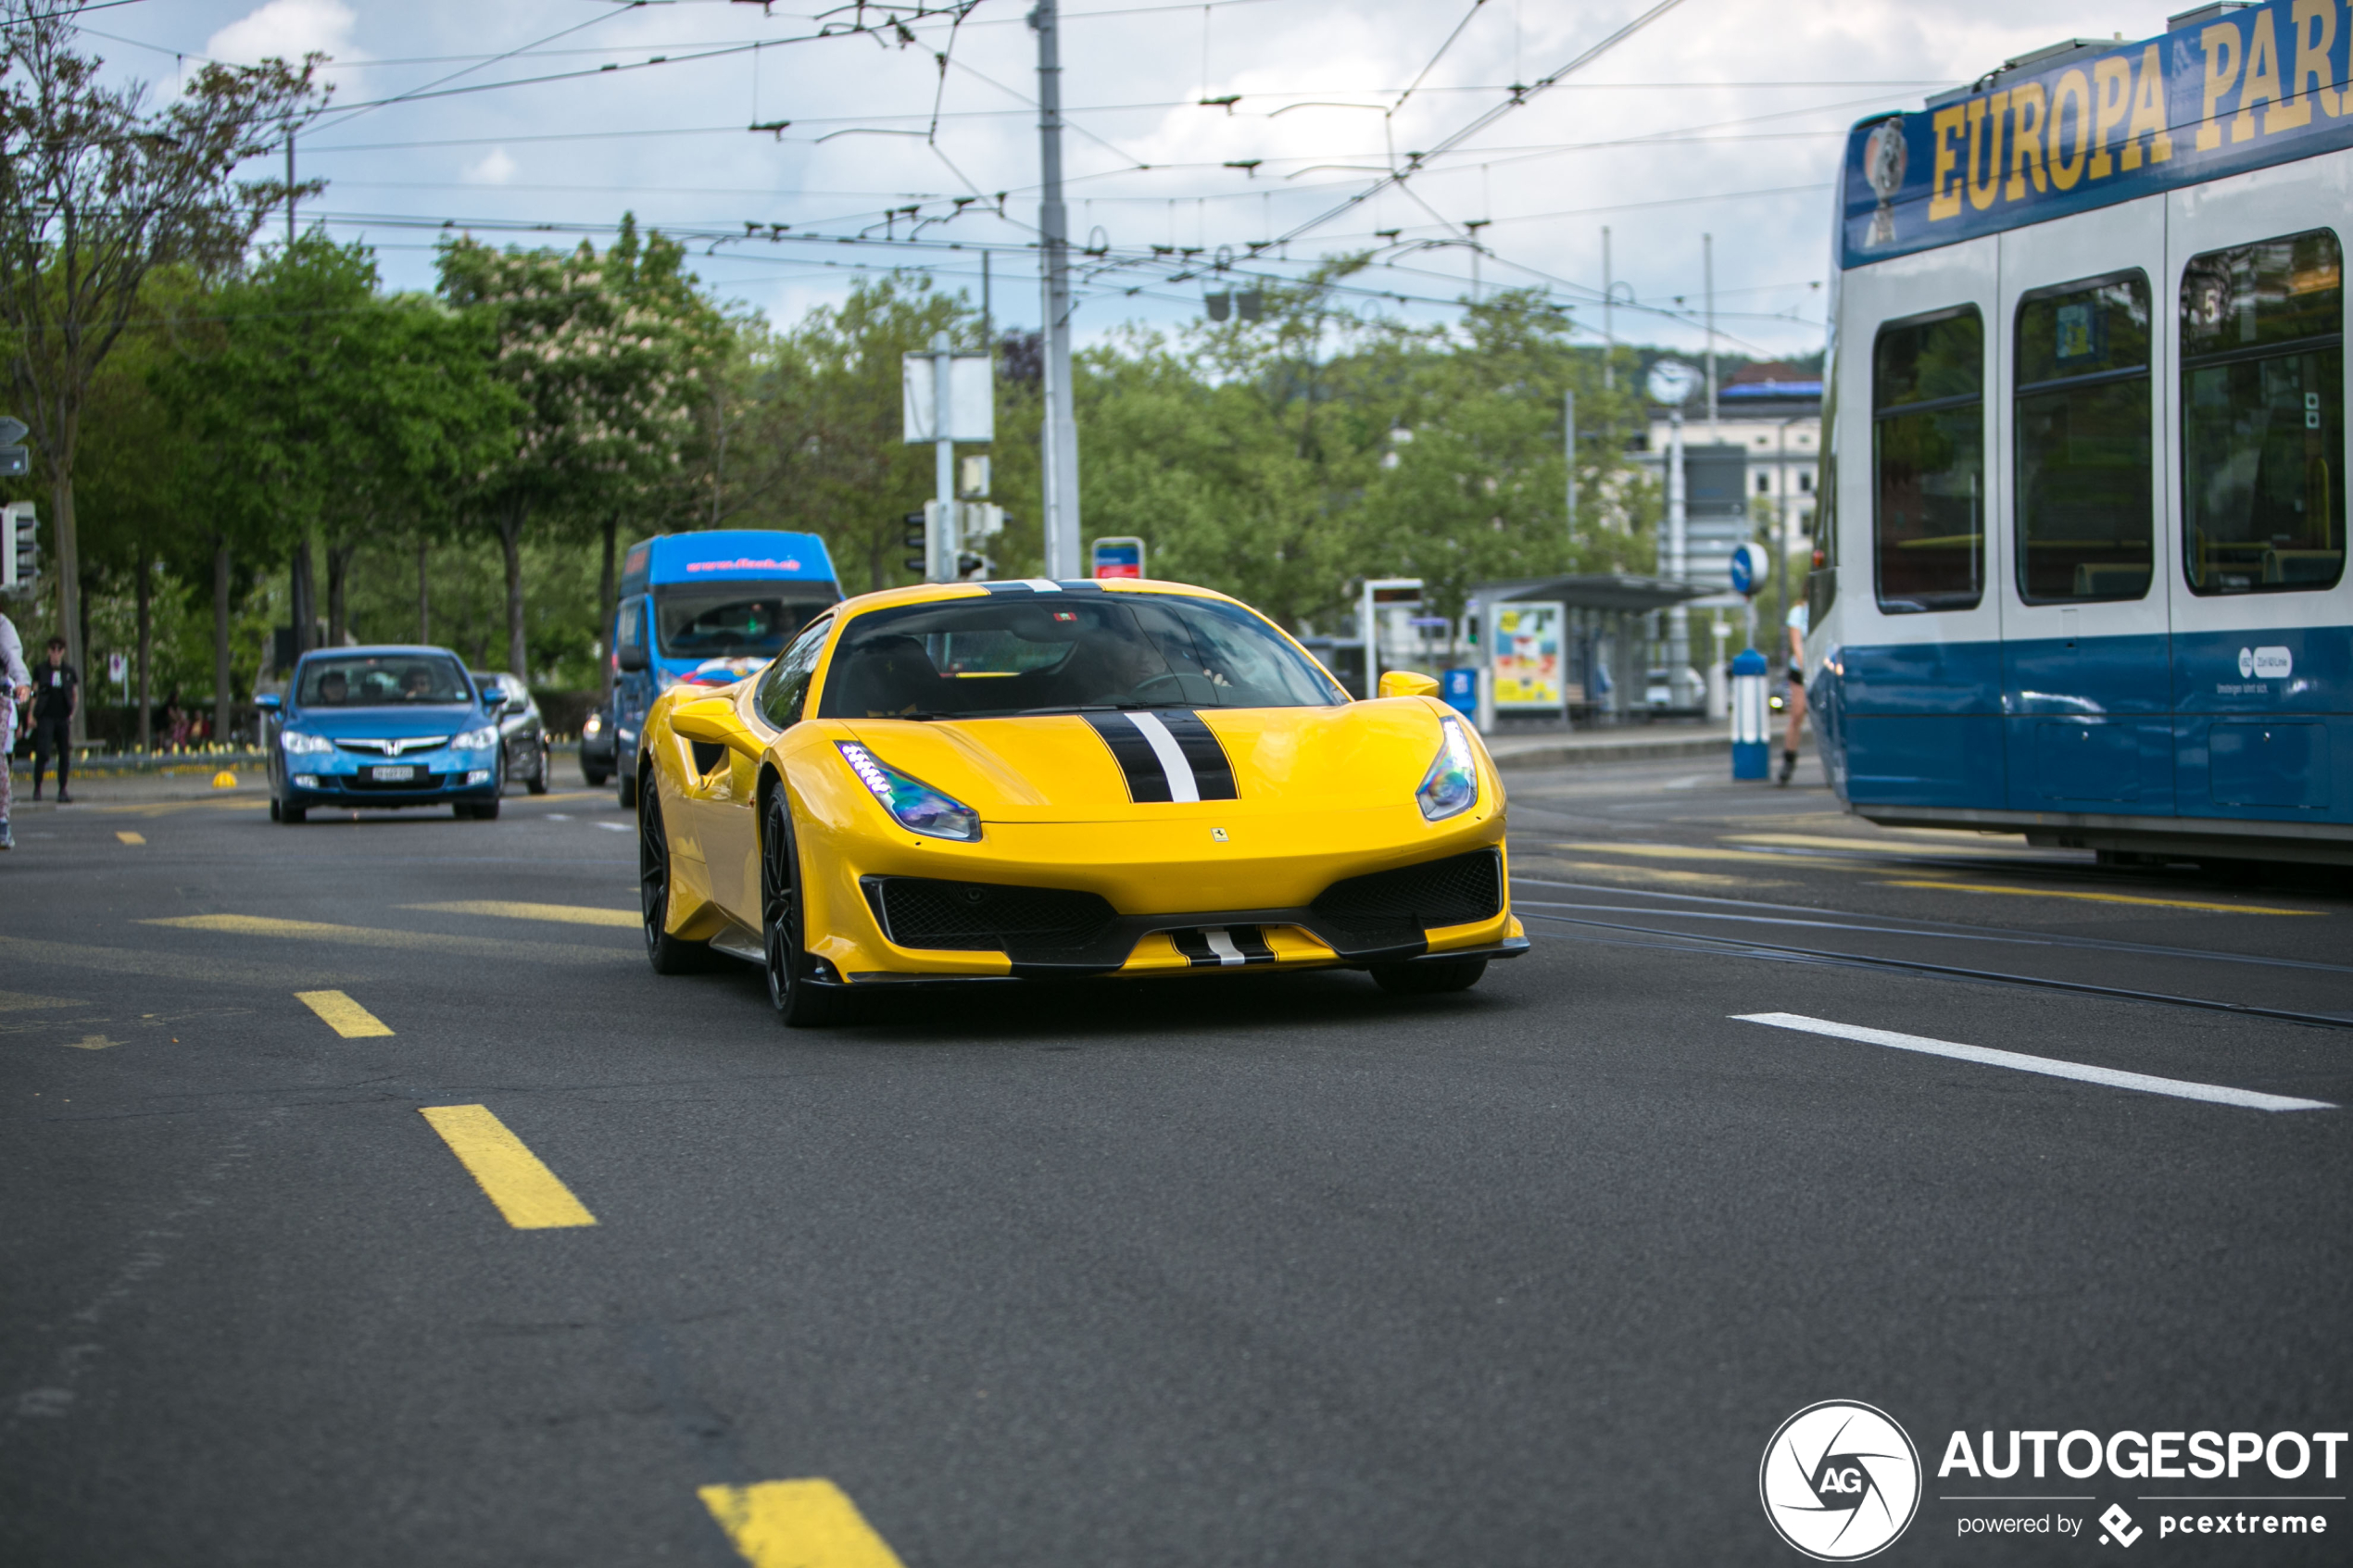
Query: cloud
x,y
288,30
495,170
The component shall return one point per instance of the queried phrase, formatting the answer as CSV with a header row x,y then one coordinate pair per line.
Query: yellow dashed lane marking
x,y
20,1001
343,1016
2102,898
567,914
526,1192
132,837
797,1524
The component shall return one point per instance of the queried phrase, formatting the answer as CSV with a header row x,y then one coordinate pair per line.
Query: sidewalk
x,y
1644,742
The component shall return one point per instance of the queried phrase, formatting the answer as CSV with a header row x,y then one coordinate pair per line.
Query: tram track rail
x,y
1705,942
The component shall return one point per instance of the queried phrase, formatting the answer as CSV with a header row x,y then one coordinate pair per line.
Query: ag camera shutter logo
x,y
1840,1481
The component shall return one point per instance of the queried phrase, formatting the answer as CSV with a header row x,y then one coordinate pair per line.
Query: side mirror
x,y
711,720
269,702
1408,683
634,657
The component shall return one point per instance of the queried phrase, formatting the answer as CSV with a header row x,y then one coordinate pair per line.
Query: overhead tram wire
x,y
1456,139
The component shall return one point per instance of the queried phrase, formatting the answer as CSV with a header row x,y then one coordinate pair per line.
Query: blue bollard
x,y
1752,750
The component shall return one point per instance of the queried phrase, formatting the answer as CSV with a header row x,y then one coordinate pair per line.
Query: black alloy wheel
x,y
668,954
1428,977
799,1003
537,783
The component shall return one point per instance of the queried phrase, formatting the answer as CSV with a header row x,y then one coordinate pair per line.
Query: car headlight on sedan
x,y
298,743
1451,787
478,740
911,803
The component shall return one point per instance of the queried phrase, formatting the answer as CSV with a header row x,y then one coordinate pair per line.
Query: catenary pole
x,y
1569,443
1060,434
1609,335
941,535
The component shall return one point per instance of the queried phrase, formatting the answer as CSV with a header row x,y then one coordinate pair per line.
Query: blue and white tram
x,y
2082,564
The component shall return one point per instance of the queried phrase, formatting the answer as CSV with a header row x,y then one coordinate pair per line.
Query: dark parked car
x,y
596,746
519,727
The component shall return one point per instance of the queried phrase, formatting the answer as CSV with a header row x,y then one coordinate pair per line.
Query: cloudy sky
x,y
543,120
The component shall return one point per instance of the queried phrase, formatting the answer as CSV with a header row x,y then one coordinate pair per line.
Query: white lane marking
x,y
2215,1094
1043,584
1182,785
614,827
559,816
1222,946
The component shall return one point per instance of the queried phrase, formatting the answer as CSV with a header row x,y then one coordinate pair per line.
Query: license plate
x,y
393,775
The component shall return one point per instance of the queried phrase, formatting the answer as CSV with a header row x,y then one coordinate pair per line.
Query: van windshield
x,y
991,658
382,681
730,621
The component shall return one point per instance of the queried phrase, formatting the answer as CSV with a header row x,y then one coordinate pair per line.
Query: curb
x,y
1572,753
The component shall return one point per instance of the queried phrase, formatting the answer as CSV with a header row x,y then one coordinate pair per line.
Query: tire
x,y
668,954
274,808
593,777
1428,977
628,791
486,810
799,1003
292,815
537,783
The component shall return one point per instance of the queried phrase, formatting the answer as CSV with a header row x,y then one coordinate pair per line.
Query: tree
x,y
599,361
97,190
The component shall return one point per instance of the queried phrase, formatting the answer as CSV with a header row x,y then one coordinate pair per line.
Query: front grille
x,y
392,750
978,916
1400,905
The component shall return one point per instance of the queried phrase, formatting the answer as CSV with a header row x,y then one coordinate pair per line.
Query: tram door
x,y
2085,617
2263,608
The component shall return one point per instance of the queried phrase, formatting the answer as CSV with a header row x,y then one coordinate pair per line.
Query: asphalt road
x,y
1244,1270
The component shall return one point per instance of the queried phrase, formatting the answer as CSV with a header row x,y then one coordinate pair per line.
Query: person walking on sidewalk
x,y
56,692
15,685
1800,616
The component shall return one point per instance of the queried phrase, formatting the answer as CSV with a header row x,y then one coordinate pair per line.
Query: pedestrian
x,y
56,694
16,687
1799,618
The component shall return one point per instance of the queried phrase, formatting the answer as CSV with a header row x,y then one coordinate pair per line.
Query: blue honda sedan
x,y
366,729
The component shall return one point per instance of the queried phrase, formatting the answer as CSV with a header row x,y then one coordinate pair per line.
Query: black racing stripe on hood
x,y
1212,774
1146,781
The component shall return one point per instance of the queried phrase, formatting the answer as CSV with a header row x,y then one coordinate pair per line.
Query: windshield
x,y
987,658
382,681
729,621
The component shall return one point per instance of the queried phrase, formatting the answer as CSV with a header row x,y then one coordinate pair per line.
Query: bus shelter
x,y
1605,622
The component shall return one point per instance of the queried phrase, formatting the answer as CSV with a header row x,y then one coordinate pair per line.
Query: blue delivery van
x,y
707,609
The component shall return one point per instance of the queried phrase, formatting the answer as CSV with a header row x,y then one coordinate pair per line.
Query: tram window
x,y
2263,417
1928,456
2085,529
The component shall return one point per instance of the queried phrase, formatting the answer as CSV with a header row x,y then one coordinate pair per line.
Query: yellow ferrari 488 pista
x,y
1004,780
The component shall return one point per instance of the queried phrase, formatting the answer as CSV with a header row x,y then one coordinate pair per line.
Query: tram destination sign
x,y
2082,126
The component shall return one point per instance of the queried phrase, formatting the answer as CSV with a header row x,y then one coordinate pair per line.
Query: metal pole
x,y
1679,620
1568,419
290,194
1060,433
987,338
942,534
1707,268
1609,298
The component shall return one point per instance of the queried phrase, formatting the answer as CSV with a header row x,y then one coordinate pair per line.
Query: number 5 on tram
x,y
2082,564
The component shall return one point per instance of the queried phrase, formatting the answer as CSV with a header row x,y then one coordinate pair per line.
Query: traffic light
x,y
20,545
918,539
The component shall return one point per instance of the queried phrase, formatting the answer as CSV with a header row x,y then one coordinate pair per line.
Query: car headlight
x,y
594,727
475,740
296,742
914,804
1451,787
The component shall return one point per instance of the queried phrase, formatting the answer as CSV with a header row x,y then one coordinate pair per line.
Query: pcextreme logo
x,y
1840,1481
